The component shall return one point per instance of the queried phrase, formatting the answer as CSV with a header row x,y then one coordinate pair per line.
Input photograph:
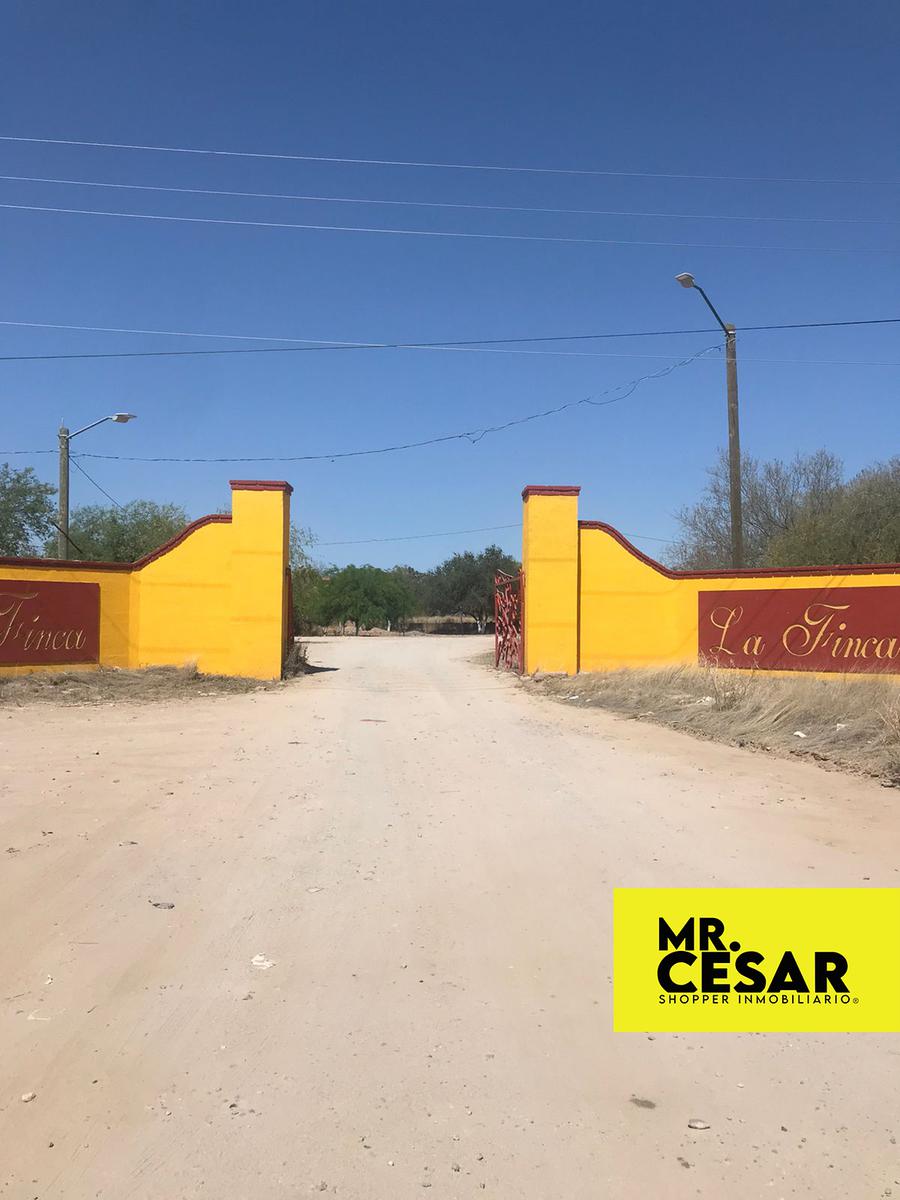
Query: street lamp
x,y
734,436
62,541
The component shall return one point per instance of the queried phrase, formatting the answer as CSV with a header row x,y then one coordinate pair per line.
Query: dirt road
x,y
388,963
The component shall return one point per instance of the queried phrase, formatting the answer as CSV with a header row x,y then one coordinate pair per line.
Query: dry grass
x,y
848,723
110,686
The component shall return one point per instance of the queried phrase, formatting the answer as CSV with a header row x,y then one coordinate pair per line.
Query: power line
x,y
449,166
481,344
414,537
335,344
362,346
798,362
75,463
486,346
473,435
445,233
502,208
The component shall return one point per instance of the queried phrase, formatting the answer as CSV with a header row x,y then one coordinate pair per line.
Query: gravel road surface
x,y
353,938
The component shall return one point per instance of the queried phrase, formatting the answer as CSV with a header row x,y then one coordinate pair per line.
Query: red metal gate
x,y
509,628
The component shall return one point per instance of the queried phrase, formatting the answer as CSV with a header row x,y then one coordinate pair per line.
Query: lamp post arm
x,y
711,307
85,428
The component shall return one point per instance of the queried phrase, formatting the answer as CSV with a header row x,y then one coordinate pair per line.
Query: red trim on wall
x,y
65,562
213,519
750,573
77,564
260,485
537,489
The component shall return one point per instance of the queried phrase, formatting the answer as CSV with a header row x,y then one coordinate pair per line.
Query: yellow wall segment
x,y
633,615
183,604
215,596
594,604
550,565
259,557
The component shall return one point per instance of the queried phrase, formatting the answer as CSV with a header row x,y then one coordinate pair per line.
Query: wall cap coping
x,y
260,485
538,489
745,573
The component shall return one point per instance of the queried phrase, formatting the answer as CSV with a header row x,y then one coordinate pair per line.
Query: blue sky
x,y
800,91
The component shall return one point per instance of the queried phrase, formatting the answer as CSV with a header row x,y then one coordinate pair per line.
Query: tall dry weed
x,y
849,721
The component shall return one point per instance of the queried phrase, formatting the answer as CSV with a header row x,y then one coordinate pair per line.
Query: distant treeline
x,y
369,597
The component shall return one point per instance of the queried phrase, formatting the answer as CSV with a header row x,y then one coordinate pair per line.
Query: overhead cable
x,y
499,208
448,166
473,436
445,233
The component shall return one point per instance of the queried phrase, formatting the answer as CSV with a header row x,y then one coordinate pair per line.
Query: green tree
x,y
113,534
398,598
300,547
307,580
367,596
419,583
773,496
861,524
26,511
464,584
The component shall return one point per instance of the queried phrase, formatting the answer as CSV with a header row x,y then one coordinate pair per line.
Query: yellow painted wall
x,y
117,612
259,556
550,566
633,615
215,596
183,604
621,610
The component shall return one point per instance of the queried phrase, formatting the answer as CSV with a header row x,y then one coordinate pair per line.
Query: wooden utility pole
x,y
734,449
62,537
687,280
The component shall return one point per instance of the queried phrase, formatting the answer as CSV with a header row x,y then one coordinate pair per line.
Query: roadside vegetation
x,y
97,532
852,723
120,534
802,513
105,685
26,511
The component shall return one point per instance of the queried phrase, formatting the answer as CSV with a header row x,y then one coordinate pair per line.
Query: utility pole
x,y
734,431
65,438
734,449
62,537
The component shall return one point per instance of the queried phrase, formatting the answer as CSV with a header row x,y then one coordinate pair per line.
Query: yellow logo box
x,y
756,959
